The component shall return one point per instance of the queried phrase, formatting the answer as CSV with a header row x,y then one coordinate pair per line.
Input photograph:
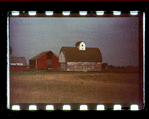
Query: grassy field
x,y
73,87
43,72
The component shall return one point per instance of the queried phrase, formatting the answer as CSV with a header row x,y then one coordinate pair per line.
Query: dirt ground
x,y
75,88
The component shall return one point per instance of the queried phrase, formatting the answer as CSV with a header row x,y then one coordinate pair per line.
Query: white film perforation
x,y
32,13
83,107
100,12
134,107
117,107
83,13
66,13
15,13
32,107
15,107
100,107
49,107
66,107
133,12
117,12
49,12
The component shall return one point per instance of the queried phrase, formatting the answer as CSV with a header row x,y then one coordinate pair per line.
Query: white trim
x,y
82,47
62,57
35,64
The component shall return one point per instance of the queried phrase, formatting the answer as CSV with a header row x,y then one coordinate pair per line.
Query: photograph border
x,y
141,16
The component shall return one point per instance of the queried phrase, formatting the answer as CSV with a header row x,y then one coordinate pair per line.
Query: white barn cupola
x,y
81,45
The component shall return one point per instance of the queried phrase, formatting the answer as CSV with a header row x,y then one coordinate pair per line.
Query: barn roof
x,y
21,60
40,55
73,54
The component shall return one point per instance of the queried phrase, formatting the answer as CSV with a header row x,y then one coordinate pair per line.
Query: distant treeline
x,y
119,69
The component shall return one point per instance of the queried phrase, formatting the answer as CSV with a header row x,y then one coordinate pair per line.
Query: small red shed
x,y
18,64
44,60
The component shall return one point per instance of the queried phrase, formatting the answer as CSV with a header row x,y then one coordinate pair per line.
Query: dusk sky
x,y
116,37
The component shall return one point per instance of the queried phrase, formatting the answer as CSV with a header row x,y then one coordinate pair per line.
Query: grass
x,y
117,78
99,76
33,72
85,87
45,72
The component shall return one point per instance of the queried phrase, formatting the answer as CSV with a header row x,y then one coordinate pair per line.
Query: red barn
x,y
18,64
44,60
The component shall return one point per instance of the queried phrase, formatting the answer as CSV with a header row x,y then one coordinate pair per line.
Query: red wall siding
x,y
42,62
55,62
18,68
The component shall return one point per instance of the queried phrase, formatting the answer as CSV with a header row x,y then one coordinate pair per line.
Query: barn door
x,y
49,63
32,64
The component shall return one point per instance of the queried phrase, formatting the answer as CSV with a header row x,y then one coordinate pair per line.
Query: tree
x,y
111,66
104,65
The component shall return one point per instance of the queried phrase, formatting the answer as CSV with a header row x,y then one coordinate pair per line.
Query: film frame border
x,y
85,106
74,106
98,13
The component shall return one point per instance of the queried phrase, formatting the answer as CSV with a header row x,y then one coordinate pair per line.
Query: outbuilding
x,y
44,60
80,58
18,64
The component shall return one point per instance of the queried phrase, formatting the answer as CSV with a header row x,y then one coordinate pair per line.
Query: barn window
x,y
82,46
16,63
19,63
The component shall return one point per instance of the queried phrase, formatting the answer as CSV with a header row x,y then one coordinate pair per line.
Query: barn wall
x,y
18,68
55,62
84,66
49,63
42,62
62,66
62,57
